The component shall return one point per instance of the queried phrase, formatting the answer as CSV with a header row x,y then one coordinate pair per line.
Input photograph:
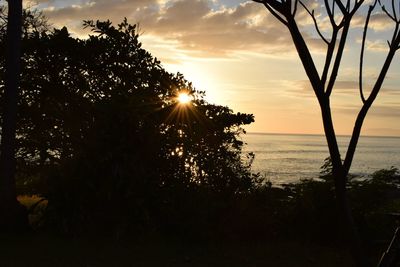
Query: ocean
x,y
283,158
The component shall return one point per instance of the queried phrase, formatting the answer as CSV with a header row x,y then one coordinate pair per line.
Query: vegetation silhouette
x,y
340,16
13,216
102,137
104,143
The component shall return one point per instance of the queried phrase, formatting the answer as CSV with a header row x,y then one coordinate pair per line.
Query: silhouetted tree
x,y
102,136
33,20
13,215
340,16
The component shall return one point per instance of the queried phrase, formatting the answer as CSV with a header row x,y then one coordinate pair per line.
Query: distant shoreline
x,y
305,134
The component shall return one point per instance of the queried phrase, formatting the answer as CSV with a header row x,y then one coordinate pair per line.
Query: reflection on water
x,y
288,158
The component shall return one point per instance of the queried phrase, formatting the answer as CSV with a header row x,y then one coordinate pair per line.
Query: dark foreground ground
x,y
44,250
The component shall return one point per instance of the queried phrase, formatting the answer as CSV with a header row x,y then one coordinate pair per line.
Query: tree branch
x,y
296,2
329,56
346,26
394,11
341,6
338,58
278,6
275,8
356,7
306,59
348,6
387,12
276,15
368,103
331,13
371,8
312,15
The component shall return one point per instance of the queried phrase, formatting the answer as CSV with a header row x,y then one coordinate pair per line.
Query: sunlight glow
x,y
183,110
184,98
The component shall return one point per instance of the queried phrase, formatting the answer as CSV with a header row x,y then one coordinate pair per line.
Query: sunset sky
x,y
244,58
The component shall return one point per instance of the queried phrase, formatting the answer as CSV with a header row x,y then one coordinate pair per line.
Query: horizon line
x,y
320,134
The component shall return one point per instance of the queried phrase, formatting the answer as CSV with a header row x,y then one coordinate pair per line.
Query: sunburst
x,y
184,98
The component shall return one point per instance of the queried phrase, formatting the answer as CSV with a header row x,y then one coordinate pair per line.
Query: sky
x,y
243,57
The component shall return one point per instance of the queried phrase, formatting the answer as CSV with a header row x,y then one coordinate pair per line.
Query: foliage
x,y
33,21
102,136
376,202
310,210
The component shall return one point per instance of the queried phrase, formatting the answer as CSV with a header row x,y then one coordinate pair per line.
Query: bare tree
x,y
340,14
12,214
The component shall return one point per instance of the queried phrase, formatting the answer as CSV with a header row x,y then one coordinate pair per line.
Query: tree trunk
x,y
340,179
13,216
346,215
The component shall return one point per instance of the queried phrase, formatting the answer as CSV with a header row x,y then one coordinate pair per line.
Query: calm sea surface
x,y
287,158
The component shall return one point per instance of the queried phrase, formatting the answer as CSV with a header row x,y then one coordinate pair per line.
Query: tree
x,y
340,16
100,128
33,21
13,215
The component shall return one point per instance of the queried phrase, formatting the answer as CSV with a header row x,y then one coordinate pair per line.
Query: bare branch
x,y
333,8
368,103
288,4
371,8
338,58
394,46
341,6
345,23
387,12
331,14
312,15
276,15
357,5
296,2
394,11
275,8
332,17
395,34
276,5
332,43
329,56
306,59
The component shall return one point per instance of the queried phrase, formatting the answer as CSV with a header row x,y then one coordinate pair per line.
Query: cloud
x,y
247,26
381,22
377,46
206,28
341,87
302,88
380,111
114,10
385,111
200,27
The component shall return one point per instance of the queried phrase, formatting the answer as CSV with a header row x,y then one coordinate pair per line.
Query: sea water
x,y
283,158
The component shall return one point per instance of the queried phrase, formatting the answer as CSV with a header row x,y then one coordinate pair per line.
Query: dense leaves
x,y
102,136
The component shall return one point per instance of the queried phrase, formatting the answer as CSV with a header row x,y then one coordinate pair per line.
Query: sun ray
x,y
184,98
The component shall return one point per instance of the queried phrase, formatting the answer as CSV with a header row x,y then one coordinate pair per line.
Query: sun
x,y
184,98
